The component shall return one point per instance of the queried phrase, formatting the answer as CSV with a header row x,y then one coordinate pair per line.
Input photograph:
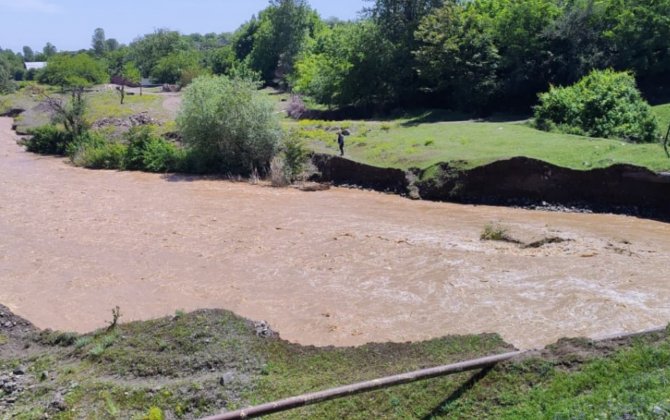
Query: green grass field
x,y
405,143
108,105
663,115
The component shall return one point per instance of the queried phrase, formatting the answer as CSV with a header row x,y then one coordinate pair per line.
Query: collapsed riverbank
x,y
517,182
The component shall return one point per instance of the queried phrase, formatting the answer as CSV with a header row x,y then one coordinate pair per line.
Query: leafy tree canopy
x,y
73,71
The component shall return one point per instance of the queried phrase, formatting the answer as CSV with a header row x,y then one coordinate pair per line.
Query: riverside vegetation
x,y
195,364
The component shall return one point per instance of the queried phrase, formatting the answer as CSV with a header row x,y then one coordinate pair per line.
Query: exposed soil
x,y
172,102
13,332
340,267
621,188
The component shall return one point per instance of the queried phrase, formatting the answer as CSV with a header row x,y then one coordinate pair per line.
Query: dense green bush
x,y
295,156
602,104
92,150
162,156
137,139
48,140
148,152
230,126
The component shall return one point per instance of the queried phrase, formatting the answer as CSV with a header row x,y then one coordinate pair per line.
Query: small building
x,y
35,65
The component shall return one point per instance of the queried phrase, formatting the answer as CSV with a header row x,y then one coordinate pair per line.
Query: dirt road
x,y
340,267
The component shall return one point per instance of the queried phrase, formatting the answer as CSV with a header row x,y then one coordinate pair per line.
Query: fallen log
x,y
361,387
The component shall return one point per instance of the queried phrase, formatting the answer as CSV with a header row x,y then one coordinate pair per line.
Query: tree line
x,y
469,55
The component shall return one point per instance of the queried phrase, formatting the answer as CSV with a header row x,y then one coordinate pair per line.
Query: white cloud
x,y
36,6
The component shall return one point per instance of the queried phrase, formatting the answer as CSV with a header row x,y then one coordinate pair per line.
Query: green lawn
x,y
663,114
408,143
108,105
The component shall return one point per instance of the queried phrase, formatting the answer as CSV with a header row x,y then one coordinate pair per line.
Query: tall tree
x,y
98,42
28,54
284,27
49,50
243,38
638,32
457,57
343,70
111,44
76,71
575,42
147,50
129,76
398,20
6,83
519,35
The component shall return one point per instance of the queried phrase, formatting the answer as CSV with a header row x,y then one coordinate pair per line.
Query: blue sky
x,y
69,24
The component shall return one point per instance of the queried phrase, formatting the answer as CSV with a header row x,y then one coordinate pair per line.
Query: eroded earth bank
x,y
340,267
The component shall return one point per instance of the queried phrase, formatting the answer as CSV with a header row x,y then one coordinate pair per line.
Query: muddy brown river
x,y
340,267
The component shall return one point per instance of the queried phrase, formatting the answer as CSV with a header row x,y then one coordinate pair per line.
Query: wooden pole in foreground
x,y
348,390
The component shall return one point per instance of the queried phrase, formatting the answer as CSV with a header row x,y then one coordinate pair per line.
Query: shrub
x,y
49,140
154,413
137,138
602,104
296,107
494,232
279,172
162,156
295,156
93,151
148,152
229,124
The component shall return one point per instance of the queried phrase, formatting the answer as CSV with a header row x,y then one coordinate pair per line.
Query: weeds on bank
x,y
496,232
206,346
630,383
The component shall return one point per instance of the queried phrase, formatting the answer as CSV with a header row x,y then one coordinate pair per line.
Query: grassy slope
x,y
176,364
633,382
404,144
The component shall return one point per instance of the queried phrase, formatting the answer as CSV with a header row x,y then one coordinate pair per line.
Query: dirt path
x,y
340,267
172,103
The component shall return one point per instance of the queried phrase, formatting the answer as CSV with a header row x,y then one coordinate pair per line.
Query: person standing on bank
x,y
340,142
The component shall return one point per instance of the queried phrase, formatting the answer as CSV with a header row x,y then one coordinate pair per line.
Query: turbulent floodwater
x,y
340,267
